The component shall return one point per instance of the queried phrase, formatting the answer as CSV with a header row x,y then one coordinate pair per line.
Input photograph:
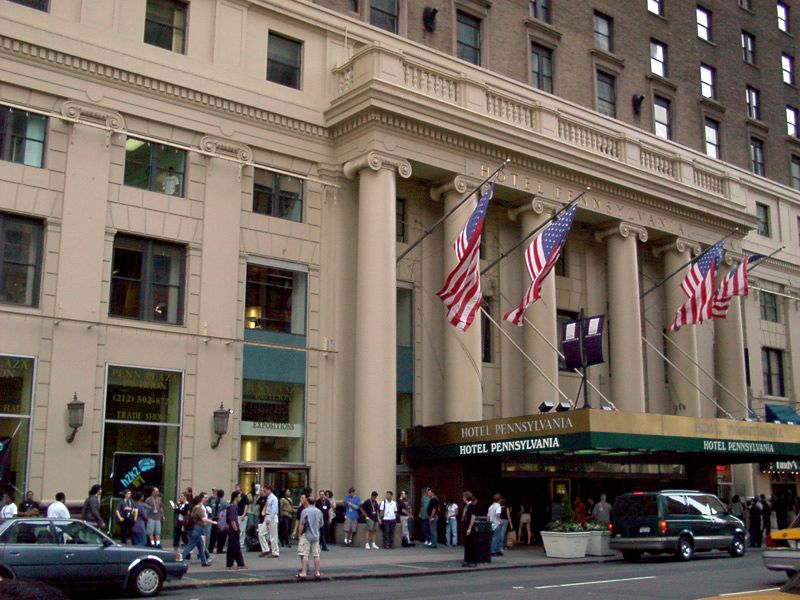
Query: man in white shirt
x,y
602,510
58,510
268,530
387,517
9,510
494,519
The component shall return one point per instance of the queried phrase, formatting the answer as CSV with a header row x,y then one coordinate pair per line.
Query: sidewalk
x,y
357,563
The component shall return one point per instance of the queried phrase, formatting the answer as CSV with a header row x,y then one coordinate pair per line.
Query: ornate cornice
x,y
376,161
679,245
459,184
624,229
82,111
215,145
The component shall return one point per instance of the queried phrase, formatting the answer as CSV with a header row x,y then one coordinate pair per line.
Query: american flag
x,y
734,284
694,278
461,293
698,307
540,257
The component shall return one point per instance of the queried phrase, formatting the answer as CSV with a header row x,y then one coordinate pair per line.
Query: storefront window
x,y
16,390
142,432
273,419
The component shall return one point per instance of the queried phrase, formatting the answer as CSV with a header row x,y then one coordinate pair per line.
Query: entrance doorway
x,y
253,477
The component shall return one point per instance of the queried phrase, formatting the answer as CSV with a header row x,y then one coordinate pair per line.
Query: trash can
x,y
483,534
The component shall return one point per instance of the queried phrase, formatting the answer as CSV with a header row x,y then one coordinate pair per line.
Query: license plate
x,y
644,530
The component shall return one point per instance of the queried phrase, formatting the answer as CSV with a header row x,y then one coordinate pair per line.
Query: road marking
x,y
750,592
544,587
412,567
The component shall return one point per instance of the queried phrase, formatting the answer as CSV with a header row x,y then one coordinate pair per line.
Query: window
x,y
16,393
542,68
37,4
796,175
400,221
712,138
540,9
746,4
275,299
762,216
562,316
772,364
757,156
603,32
405,355
155,167
606,94
749,47
787,68
658,58
468,41
278,195
147,280
656,7
487,354
22,136
791,121
384,14
354,5
20,261
769,307
783,17
165,25
703,23
708,81
28,532
283,61
661,114
752,97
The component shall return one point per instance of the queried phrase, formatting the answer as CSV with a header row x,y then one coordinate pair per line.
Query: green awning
x,y
781,413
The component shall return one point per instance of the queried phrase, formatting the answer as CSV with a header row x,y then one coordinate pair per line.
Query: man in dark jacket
x,y
91,507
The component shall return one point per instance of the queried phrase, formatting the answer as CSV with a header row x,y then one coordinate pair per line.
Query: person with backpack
x,y
196,524
218,537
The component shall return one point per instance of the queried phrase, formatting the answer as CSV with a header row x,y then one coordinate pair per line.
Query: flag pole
x,y
691,262
426,231
770,255
534,232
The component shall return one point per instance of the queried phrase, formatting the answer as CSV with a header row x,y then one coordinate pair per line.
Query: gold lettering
x,y
484,170
501,177
558,193
514,179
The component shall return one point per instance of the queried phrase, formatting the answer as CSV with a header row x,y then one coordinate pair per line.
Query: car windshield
x,y
74,532
635,506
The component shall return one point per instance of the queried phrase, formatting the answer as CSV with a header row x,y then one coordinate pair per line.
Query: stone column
x,y
684,393
624,316
541,314
375,382
463,396
729,353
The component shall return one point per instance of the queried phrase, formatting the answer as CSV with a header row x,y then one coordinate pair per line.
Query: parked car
x,y
783,552
679,522
72,554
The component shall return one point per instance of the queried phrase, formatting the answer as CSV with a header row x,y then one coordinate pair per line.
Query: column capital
x,y
459,184
730,258
376,161
624,229
226,147
537,205
679,245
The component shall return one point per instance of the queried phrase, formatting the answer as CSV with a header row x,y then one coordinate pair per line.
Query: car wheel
x,y
631,555
685,549
737,547
146,580
5,575
790,573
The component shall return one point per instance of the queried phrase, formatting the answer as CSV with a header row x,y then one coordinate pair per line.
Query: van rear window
x,y
636,506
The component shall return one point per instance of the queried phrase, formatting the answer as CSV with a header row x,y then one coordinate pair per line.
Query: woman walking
x,y
198,519
231,516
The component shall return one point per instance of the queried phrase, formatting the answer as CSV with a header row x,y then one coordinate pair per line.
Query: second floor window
x,y
791,121
147,280
658,58
762,216
22,136
703,23
769,307
154,167
752,97
796,175
661,114
20,260
385,14
275,299
540,9
468,39
783,17
165,25
772,364
603,32
757,156
606,94
711,134
278,195
283,61
542,68
787,69
748,47
708,82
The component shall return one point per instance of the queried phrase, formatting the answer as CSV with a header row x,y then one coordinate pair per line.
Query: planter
x,y
558,544
598,544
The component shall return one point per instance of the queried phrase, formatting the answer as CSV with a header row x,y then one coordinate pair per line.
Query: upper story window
x,y
283,60
468,40
708,81
796,176
783,17
746,4
791,121
658,58
20,260
37,4
154,167
147,280
748,47
772,364
275,299
542,68
769,307
400,220
757,156
22,136
787,69
656,7
603,32
353,4
165,25
278,195
540,9
762,216
711,135
487,350
606,94
703,23
385,14
662,117
753,99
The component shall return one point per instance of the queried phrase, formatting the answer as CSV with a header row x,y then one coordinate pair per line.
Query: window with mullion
x,y
658,58
711,135
752,96
283,60
278,195
487,350
385,14
762,217
795,167
791,121
783,17
757,156
787,69
540,9
22,136
769,307
20,260
147,280
468,39
656,7
748,47
603,32
772,364
155,167
703,17
165,25
662,117
606,94
708,81
542,68
400,220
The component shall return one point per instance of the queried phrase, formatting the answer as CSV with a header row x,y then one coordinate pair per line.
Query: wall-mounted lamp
x,y
75,410
221,417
